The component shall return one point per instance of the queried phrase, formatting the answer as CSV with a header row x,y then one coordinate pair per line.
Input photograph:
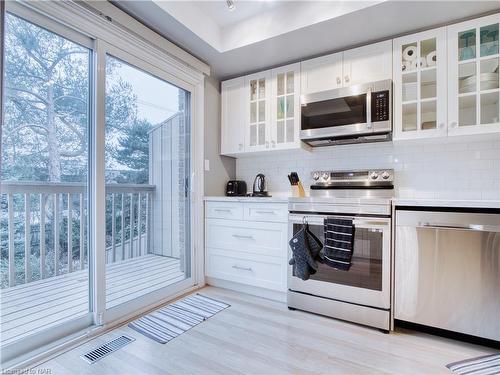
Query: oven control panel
x,y
350,178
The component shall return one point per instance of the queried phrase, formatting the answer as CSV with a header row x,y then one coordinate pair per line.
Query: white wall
x,y
451,168
222,168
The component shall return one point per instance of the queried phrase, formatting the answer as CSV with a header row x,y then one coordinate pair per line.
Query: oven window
x,y
366,264
334,112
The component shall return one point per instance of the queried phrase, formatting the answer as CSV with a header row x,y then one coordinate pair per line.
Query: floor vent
x,y
108,348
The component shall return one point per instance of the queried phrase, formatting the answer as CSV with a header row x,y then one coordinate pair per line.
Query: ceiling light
x,y
230,4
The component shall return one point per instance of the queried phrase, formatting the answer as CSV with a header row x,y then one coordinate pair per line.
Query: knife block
x,y
298,190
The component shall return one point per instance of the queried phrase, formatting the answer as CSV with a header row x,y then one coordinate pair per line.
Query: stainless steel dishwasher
x,y
447,270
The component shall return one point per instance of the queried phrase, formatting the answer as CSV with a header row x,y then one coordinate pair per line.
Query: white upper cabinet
x,y
368,63
257,112
320,74
473,66
420,79
359,65
233,116
285,107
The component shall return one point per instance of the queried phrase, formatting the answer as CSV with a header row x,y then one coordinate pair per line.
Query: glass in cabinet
x,y
285,106
473,54
258,93
419,66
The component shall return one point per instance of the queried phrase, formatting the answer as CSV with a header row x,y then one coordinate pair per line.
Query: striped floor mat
x,y
485,365
169,322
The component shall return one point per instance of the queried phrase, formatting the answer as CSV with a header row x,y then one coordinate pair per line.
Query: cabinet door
x,y
285,106
233,116
473,88
258,122
419,65
320,74
368,63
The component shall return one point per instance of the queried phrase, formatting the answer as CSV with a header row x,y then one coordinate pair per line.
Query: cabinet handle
x,y
346,78
243,268
242,236
267,144
339,81
454,124
265,212
441,125
221,210
273,144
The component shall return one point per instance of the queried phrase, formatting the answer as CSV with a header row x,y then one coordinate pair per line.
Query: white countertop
x,y
418,202
277,199
455,203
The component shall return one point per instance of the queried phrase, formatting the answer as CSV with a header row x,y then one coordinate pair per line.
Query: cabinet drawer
x,y
224,210
277,212
247,237
225,265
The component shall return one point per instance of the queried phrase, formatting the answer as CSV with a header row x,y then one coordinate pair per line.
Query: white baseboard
x,y
248,289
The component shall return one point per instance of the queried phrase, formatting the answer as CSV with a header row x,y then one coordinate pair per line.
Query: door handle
x,y
242,236
470,227
242,268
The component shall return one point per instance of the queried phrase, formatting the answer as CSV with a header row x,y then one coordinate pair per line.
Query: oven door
x,y
368,280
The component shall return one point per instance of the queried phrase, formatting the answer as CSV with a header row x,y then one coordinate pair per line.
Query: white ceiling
x,y
262,34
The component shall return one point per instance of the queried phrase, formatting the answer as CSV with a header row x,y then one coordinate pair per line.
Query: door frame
x,y
102,315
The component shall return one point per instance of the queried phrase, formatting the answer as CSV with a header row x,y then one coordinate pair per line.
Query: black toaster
x,y
236,188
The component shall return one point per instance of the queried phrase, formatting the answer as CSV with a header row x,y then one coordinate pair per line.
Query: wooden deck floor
x,y
28,308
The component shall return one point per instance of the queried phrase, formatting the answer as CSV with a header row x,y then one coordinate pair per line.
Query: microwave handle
x,y
369,124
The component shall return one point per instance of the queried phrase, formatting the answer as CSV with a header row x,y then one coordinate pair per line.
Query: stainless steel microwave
x,y
355,114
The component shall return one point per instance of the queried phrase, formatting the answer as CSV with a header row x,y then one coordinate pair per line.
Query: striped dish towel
x,y
339,243
485,365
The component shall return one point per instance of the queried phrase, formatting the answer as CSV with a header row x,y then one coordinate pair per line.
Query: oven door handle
x,y
318,220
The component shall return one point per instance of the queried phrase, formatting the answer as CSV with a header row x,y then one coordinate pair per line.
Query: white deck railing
x,y
29,205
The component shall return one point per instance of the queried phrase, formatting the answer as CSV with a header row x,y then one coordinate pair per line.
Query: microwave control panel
x,y
380,106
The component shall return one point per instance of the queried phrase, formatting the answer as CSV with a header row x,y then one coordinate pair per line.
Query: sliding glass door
x,y
147,156
95,190
44,246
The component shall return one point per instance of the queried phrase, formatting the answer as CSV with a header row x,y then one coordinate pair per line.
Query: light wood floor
x,y
39,305
258,336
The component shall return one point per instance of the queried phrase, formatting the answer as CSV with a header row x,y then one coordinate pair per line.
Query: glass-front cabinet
x,y
258,124
419,68
473,89
285,106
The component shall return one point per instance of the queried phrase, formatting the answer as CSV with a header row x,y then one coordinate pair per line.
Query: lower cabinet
x,y
248,250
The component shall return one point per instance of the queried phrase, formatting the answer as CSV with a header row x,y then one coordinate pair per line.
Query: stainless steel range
x,y
361,294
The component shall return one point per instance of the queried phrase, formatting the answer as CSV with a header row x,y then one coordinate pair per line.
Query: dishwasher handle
x,y
469,227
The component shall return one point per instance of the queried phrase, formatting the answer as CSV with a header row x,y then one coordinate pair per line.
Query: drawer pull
x,y
242,236
243,268
222,210
265,212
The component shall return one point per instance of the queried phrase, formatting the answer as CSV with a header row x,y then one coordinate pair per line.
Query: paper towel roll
x,y
431,58
420,63
410,53
407,66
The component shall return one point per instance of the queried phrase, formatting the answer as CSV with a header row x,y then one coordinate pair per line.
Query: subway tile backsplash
x,y
449,168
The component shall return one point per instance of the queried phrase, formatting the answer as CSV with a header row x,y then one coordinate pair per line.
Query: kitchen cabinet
x,y
257,118
320,74
246,246
232,116
285,106
473,71
359,65
420,79
368,63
